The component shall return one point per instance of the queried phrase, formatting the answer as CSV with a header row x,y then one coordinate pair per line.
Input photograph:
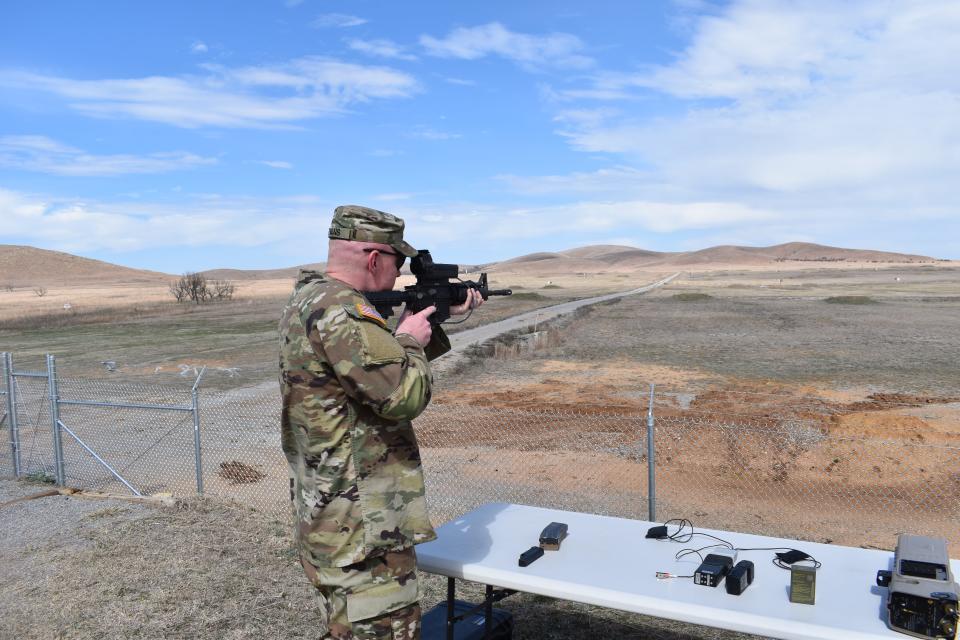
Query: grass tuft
x,y
850,300
692,297
528,295
40,477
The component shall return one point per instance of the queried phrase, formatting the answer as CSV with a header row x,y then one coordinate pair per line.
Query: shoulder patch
x,y
366,311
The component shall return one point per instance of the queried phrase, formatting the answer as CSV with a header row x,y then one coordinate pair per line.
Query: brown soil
x,y
855,469
236,472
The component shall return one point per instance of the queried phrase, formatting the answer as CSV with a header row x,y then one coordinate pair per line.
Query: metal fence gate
x,y
98,435
26,407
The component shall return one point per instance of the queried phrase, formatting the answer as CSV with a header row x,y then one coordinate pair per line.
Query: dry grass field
x,y
153,339
861,351
867,358
110,569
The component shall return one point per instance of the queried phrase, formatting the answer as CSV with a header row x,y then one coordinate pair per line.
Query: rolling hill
x,y
22,266
615,258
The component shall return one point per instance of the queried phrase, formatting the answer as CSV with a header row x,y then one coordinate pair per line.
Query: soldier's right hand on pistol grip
x,y
417,325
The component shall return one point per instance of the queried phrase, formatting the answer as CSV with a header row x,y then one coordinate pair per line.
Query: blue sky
x,y
190,135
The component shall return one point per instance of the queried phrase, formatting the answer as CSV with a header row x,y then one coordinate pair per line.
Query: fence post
x,y
195,396
55,419
12,412
651,465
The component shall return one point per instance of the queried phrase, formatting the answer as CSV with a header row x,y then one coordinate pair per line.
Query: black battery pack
x,y
713,569
740,577
433,625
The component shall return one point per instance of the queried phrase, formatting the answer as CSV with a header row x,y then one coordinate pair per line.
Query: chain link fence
x,y
122,437
783,473
27,450
8,450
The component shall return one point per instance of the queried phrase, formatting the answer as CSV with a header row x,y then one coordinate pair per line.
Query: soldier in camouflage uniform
x,y
350,388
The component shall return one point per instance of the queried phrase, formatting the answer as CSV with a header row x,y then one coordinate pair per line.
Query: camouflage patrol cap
x,y
353,222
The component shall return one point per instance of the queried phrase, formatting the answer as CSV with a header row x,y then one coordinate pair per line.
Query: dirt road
x,y
463,339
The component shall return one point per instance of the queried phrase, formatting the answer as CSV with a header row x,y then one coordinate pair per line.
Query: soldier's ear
x,y
372,261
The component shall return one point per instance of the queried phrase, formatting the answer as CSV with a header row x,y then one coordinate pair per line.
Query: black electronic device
x,y
530,555
434,623
658,532
552,535
713,569
739,578
922,597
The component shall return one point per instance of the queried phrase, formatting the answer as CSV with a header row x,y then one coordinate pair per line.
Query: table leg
x,y
488,613
451,592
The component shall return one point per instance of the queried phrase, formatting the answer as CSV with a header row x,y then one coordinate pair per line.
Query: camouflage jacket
x,y
350,389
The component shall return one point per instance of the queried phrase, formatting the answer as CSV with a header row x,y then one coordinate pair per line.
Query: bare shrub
x,y
194,287
178,290
6,287
40,291
222,289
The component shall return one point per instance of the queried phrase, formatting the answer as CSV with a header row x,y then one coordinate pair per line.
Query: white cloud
x,y
380,49
619,179
83,226
198,47
591,217
461,231
254,96
428,133
277,164
336,20
42,154
213,219
393,197
832,115
784,49
530,51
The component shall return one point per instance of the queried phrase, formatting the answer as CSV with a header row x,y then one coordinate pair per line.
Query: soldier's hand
x,y
474,300
417,325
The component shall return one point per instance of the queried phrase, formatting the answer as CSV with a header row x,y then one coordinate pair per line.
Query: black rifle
x,y
433,287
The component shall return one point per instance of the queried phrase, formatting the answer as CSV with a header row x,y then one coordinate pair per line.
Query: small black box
x,y
740,577
434,623
712,570
530,556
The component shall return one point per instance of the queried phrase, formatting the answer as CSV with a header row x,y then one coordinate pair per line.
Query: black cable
x,y
462,320
788,555
686,552
682,537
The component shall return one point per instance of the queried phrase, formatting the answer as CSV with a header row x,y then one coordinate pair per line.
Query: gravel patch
x,y
202,569
54,520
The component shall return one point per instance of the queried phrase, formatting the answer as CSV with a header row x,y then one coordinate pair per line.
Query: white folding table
x,y
609,562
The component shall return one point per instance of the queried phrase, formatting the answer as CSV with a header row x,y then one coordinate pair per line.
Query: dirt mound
x,y
883,401
236,472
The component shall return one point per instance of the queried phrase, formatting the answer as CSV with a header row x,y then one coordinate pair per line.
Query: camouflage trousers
x,y
374,599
